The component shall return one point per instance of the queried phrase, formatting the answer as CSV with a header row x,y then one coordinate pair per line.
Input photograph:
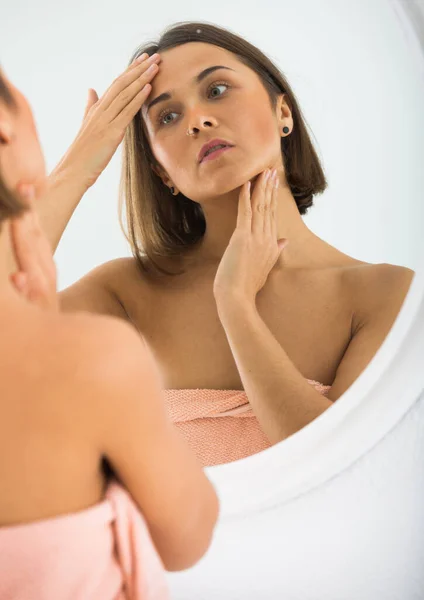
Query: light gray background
x,y
350,65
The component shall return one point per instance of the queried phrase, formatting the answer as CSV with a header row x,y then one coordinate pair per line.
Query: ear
x,y
160,172
284,112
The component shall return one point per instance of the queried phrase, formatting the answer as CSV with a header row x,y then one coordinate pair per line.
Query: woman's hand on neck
x,y
221,218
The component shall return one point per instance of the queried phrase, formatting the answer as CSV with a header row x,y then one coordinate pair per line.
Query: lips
x,y
211,144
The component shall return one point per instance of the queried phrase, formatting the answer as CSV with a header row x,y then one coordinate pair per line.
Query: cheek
x,y
34,158
254,126
166,150
262,129
28,152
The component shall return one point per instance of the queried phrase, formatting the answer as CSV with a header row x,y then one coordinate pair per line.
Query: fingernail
x,y
141,58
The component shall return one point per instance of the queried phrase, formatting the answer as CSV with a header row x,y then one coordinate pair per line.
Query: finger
x,y
137,60
26,240
130,110
121,84
268,217
18,241
38,294
282,243
273,210
26,191
20,282
244,213
258,203
32,289
42,250
138,91
91,101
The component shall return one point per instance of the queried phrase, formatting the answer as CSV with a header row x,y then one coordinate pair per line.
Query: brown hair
x,y
161,225
10,205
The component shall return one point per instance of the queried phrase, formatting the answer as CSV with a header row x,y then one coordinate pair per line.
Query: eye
x,y
165,113
216,86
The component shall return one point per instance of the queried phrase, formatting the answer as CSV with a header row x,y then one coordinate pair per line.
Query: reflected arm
x,y
385,294
281,398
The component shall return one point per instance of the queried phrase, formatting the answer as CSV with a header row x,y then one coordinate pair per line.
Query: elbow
x,y
195,541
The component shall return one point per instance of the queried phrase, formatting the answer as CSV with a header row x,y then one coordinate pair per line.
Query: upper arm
x,y
381,296
94,292
149,456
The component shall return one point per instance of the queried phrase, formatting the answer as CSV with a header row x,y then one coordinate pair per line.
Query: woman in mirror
x,y
92,470
256,324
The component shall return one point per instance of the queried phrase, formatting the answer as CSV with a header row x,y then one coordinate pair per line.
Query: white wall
x,y
348,62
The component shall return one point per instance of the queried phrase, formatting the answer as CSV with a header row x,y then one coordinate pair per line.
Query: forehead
x,y
193,54
179,65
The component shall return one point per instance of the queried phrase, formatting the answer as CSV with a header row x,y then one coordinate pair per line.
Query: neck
x,y
221,219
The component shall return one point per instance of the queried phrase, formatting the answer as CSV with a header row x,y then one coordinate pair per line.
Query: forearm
x,y
281,398
65,188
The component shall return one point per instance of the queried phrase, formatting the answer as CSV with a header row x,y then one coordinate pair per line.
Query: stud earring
x,y
286,129
172,190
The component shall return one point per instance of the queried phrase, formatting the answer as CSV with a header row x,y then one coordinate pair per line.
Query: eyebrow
x,y
197,79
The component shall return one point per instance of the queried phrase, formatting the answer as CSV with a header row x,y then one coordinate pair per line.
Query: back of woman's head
x,y
10,205
161,225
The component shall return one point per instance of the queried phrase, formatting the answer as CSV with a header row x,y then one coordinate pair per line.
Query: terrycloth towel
x,y
219,425
104,552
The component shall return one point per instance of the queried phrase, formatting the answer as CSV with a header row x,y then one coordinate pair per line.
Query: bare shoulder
x,y
123,276
105,289
377,289
87,352
96,337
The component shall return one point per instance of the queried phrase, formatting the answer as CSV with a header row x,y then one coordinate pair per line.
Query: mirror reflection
x,y
256,323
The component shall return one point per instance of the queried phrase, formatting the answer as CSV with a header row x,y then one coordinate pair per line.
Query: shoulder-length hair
x,y
160,225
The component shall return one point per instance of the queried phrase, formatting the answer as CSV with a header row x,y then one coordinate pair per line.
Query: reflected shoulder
x,y
95,346
120,274
104,289
378,290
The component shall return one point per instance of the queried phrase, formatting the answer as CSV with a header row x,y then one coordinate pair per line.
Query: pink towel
x,y
219,425
104,552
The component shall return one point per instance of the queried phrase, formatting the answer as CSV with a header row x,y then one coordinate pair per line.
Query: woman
x,y
81,407
253,340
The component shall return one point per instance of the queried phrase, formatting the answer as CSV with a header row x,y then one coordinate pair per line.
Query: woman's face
x,y
21,157
229,103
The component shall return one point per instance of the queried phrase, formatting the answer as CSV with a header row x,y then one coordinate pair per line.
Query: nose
x,y
198,121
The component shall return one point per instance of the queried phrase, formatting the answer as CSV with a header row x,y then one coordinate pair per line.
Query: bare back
x,y
51,464
81,393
